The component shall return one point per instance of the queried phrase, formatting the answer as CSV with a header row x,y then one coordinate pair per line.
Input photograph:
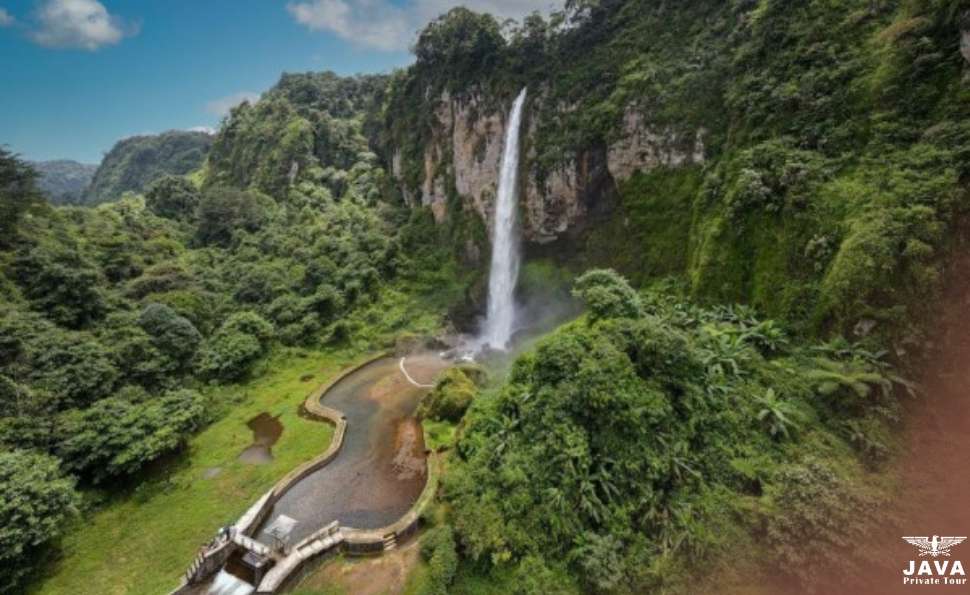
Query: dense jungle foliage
x,y
645,437
116,320
135,162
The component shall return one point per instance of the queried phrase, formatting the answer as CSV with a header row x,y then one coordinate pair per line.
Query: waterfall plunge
x,y
505,239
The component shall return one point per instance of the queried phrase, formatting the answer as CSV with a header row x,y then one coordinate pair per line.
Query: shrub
x,y
438,549
172,334
172,197
116,437
607,295
236,346
287,309
11,396
601,558
818,516
36,501
167,276
261,284
136,356
76,371
223,212
201,308
249,323
449,399
536,576
229,356
62,284
777,415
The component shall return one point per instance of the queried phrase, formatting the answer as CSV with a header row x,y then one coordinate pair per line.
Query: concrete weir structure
x,y
363,495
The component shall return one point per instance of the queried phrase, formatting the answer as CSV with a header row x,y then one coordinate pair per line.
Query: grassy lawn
x,y
141,541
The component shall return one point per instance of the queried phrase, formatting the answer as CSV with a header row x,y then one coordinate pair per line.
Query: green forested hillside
x,y
119,321
633,448
308,129
135,162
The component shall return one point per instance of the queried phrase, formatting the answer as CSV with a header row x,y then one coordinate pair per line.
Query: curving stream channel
x,y
380,469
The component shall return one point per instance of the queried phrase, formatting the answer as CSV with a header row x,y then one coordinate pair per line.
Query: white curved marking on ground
x,y
412,380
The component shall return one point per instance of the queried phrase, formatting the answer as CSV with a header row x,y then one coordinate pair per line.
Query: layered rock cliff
x,y
465,151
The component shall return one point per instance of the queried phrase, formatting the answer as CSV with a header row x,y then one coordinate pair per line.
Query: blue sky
x,y
77,75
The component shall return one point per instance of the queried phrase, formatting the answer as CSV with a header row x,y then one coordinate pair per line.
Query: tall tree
x,y
18,193
35,500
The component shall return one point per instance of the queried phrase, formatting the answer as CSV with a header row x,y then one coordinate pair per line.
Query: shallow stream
x,y
380,469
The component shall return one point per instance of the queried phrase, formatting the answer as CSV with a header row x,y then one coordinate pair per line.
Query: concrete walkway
x,y
410,379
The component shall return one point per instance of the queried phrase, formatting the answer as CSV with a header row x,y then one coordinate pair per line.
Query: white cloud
x,y
6,19
206,129
221,106
382,25
85,24
373,23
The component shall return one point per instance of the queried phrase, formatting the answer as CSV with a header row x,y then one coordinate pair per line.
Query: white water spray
x,y
228,584
505,239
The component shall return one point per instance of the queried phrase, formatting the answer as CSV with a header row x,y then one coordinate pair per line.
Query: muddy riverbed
x,y
380,470
266,431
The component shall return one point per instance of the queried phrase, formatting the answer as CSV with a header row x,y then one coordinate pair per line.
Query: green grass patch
x,y
141,541
438,435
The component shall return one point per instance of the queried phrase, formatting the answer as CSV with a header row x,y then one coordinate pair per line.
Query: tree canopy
x,y
36,501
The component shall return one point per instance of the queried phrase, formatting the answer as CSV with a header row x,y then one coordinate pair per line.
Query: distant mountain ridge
x,y
135,162
64,181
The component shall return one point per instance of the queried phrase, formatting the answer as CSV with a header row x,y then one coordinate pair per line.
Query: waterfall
x,y
504,271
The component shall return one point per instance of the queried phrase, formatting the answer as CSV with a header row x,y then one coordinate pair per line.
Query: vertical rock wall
x,y
466,147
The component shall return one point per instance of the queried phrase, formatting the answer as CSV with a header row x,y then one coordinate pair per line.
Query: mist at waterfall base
x,y
504,272
514,314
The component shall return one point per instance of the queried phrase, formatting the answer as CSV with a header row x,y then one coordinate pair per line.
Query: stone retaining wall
x,y
205,565
314,406
355,542
211,560
365,541
321,543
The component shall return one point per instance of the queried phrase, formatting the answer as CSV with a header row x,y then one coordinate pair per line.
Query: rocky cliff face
x,y
466,149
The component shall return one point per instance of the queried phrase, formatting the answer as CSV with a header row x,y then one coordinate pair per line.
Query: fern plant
x,y
778,416
855,377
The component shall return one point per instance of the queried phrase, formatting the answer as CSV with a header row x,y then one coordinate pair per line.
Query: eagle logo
x,y
935,546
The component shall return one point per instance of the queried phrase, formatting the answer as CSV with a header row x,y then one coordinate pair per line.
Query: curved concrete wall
x,y
349,540
209,561
352,541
